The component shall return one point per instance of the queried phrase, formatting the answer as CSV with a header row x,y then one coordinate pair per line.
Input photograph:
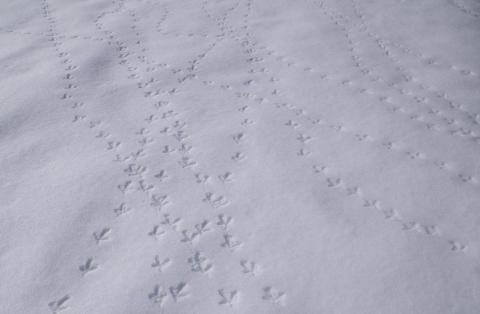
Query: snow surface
x,y
224,156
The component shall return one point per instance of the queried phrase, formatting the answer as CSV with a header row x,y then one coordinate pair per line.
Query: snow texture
x,y
250,156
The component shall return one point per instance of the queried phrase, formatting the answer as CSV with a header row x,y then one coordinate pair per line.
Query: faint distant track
x,y
380,42
460,132
463,8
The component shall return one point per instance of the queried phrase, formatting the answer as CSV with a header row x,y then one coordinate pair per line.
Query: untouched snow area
x,y
246,156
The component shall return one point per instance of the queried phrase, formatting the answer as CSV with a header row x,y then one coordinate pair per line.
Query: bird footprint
x,y
214,200
160,265
238,138
156,232
122,209
230,242
59,305
178,292
162,175
248,267
88,266
226,177
224,221
159,201
102,235
201,178
158,295
227,298
173,222
200,263
273,295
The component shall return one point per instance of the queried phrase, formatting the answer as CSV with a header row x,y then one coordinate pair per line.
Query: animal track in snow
x,y
138,154
201,178
59,305
393,215
224,221
292,123
227,298
156,232
142,73
304,138
246,122
187,162
135,170
303,152
238,138
202,227
144,187
112,145
238,156
467,178
273,295
457,246
226,177
162,176
159,201
178,292
249,267
200,263
102,235
169,221
160,265
89,266
124,186
180,135
122,209
391,146
216,201
158,295
334,182
184,148
230,242
145,141
78,117
189,237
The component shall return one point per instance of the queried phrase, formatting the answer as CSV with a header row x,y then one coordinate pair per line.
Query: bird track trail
x,y
389,213
186,151
136,175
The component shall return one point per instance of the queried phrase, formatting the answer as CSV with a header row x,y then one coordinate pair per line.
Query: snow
x,y
250,156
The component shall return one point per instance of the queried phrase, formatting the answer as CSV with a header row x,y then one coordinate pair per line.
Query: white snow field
x,y
247,157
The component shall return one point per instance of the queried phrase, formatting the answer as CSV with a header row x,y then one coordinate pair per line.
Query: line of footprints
x,y
137,175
